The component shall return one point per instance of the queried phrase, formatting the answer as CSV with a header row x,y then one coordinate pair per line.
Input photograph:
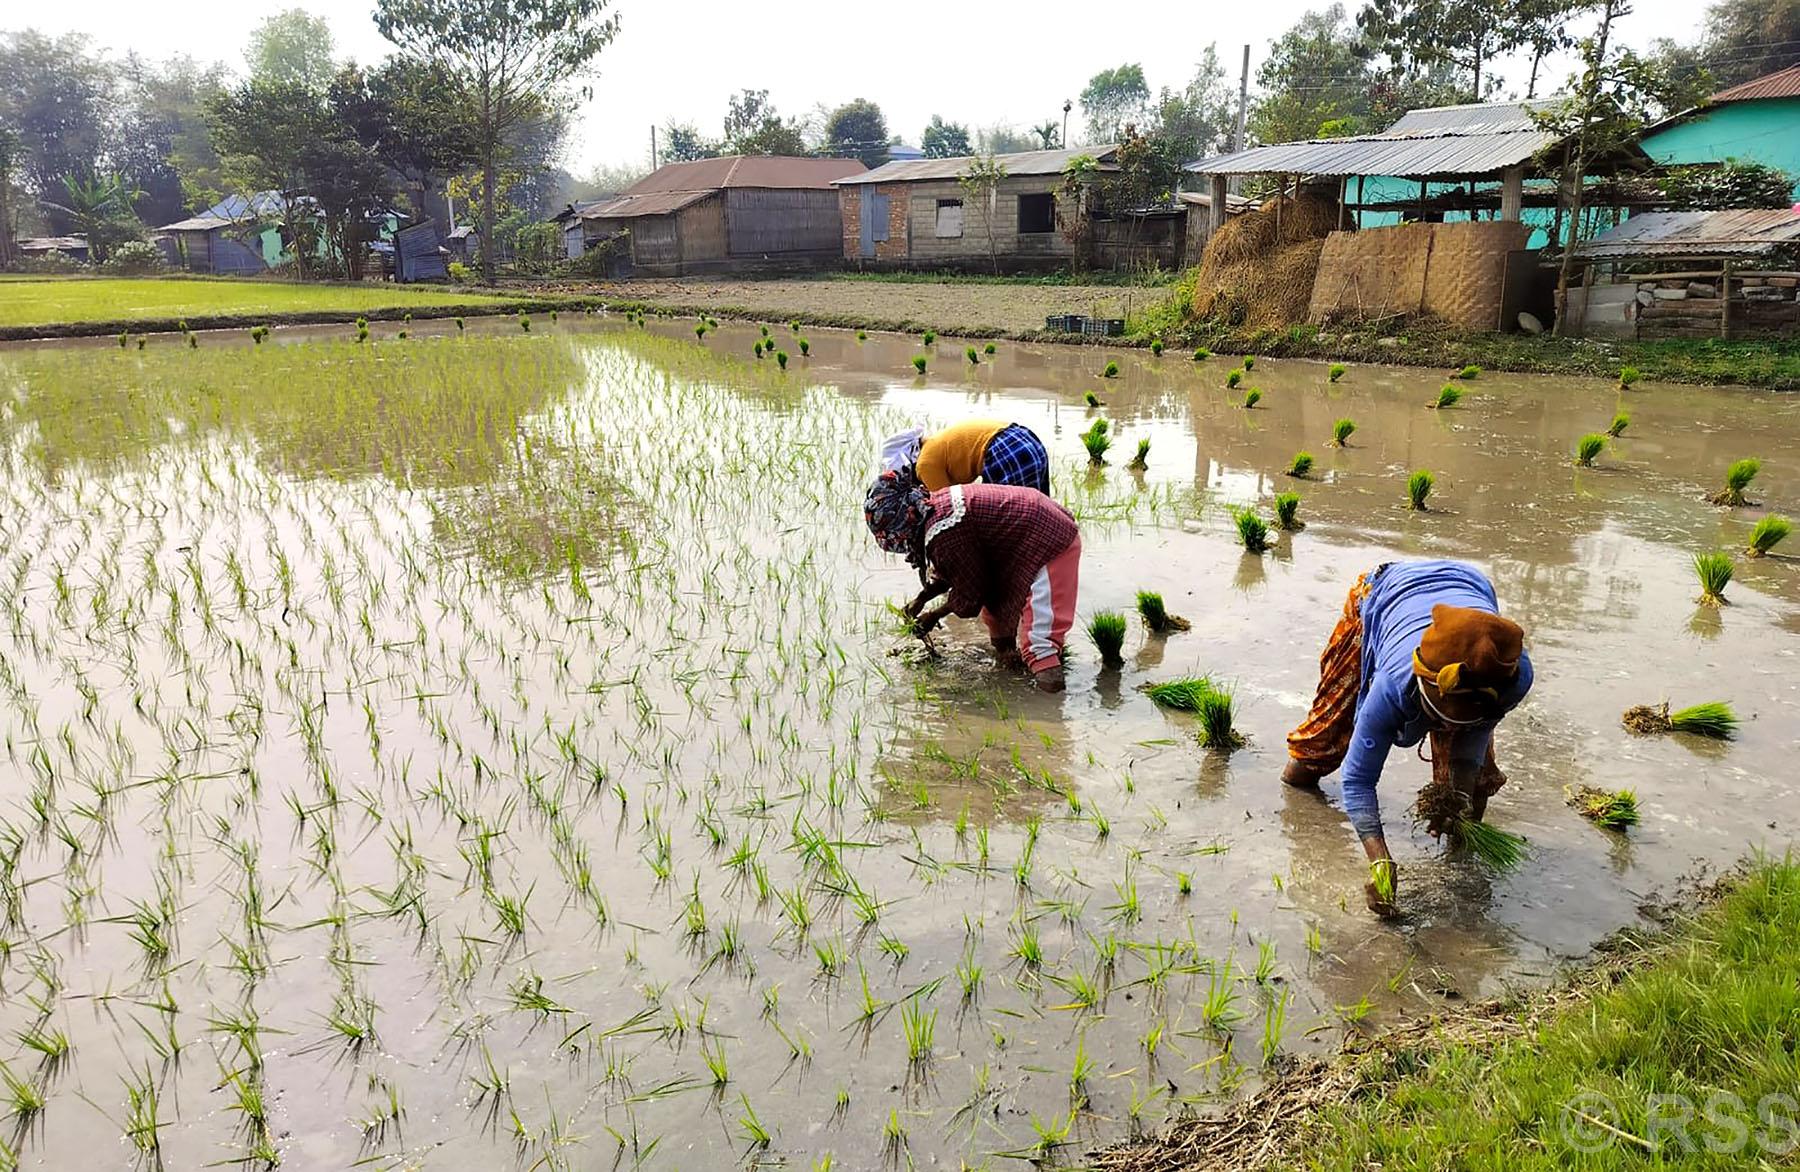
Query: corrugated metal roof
x,y
1233,203
1475,117
1022,163
1719,233
1781,84
202,223
655,203
745,171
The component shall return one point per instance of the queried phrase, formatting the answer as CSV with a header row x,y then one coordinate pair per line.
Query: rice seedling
x,y
919,1026
1737,479
1620,422
918,362
1252,397
1497,848
1341,431
1233,378
1715,719
1613,809
805,347
990,349
1249,362
1468,372
1216,728
716,1063
1156,616
700,330
862,335
1252,530
1140,462
525,322
1769,532
1156,347
781,359
930,337
893,1137
193,341
1714,571
1273,1025
1182,695
751,1128
1338,370
1627,376
124,338
1287,508
258,334
459,325
1111,370
1096,439
1300,465
401,336
1587,447
1201,354
1107,629
756,348
1448,396
1418,487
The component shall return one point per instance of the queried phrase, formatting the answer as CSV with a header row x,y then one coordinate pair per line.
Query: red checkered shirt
x,y
989,541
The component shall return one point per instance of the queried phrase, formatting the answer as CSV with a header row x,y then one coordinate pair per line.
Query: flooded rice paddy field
x,y
496,747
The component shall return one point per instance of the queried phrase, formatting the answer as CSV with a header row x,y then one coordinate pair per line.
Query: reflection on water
x,y
528,704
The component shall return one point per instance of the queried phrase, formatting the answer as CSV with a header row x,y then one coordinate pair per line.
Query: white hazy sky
x,y
978,62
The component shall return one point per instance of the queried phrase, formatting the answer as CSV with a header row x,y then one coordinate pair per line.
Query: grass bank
x,y
85,306
1673,1051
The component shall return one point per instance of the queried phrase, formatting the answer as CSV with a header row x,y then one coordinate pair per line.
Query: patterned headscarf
x,y
897,509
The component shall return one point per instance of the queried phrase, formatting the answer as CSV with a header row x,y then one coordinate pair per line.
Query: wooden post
x,y
1359,200
1280,194
1725,301
1343,190
1512,194
1424,195
1218,204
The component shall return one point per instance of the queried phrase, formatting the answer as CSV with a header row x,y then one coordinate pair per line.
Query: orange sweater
x,y
954,455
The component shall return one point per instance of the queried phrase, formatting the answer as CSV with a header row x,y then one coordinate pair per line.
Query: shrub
x,y
134,258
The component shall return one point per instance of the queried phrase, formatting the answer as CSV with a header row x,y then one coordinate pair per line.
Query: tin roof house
x,y
1757,122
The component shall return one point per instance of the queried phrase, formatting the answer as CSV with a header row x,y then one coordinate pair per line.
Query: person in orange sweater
x,y
990,450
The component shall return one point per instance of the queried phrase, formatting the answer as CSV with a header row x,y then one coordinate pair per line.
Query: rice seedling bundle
x,y
1714,719
1182,695
1737,479
1216,728
1627,376
1381,877
1769,532
525,322
1097,440
805,347
1618,425
1613,809
124,338
1251,398
1233,379
989,349
1107,629
1497,848
1252,530
1341,431
1467,372
1141,461
781,359
1156,615
700,330
862,335
1418,487
1338,371
1301,464
1092,400
193,341
1111,370
919,363
1587,447
1448,396
1714,571
930,337
1249,362
1156,347
972,355
1287,508
1201,354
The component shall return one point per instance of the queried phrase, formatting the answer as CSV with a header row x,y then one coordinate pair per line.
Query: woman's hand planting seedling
x,y
1382,890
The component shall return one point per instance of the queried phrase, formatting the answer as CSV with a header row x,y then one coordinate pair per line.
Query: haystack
x,y
1259,276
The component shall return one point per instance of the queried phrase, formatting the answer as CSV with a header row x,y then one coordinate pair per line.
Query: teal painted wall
x,y
1766,131
1380,188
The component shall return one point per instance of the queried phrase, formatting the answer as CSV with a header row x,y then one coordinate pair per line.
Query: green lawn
x,y
53,300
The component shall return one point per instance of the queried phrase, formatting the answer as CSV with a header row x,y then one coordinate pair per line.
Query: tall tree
x,y
752,127
263,131
409,115
1112,98
682,142
9,161
1316,73
163,145
1746,39
858,129
505,61
1469,34
945,140
1196,120
55,94
99,208
292,47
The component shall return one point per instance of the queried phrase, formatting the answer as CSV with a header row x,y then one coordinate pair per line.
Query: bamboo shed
x,y
1700,274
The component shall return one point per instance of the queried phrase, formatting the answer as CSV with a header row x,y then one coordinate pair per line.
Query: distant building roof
x,y
1747,232
1476,139
52,243
204,222
1022,163
744,171
1233,203
903,150
653,203
1784,83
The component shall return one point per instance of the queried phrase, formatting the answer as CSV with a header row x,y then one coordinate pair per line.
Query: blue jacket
x,y
1395,615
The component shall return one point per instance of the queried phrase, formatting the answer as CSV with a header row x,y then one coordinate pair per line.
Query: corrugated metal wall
x,y
782,223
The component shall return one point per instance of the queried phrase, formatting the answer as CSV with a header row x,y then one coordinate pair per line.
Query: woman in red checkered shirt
x,y
1011,555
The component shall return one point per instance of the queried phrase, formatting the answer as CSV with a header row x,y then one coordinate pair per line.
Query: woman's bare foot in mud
x,y
1301,776
1050,679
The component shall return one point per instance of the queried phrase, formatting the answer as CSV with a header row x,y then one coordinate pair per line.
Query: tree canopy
x,y
945,140
1112,98
858,129
753,127
293,47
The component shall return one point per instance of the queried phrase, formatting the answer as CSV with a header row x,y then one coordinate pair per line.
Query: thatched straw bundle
x,y
1254,275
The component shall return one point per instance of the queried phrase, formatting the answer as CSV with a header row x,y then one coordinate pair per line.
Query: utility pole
x,y
653,146
1067,106
1237,136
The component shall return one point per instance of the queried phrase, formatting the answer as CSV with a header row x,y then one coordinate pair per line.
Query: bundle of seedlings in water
x,y
700,330
1111,371
919,363
1627,376
1713,719
862,335
1249,362
1441,804
193,341
401,336
1341,431
781,359
1141,461
988,349
1418,487
1303,462
794,325
973,355
1618,425
1287,505
1181,695
1737,479
930,337
1449,396
1201,353
1156,616
124,338
1233,379
1096,440
257,334
757,349
1338,371
362,333
1092,400
1156,347
764,329
1253,531
1216,729
805,347
525,322
460,325
1467,372
1107,630
1251,398
1589,446
1613,809
1714,571
1771,531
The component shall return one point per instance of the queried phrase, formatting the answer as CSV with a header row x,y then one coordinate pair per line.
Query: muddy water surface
x,y
493,747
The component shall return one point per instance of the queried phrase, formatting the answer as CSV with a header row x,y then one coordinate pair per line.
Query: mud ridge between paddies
x,y
1564,1075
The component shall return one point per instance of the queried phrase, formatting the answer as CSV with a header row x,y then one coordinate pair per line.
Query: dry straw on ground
x,y
1252,275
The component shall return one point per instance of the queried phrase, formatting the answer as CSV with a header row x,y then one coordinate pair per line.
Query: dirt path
x,y
962,308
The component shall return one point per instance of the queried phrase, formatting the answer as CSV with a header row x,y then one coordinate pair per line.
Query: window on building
x,y
1037,212
949,217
